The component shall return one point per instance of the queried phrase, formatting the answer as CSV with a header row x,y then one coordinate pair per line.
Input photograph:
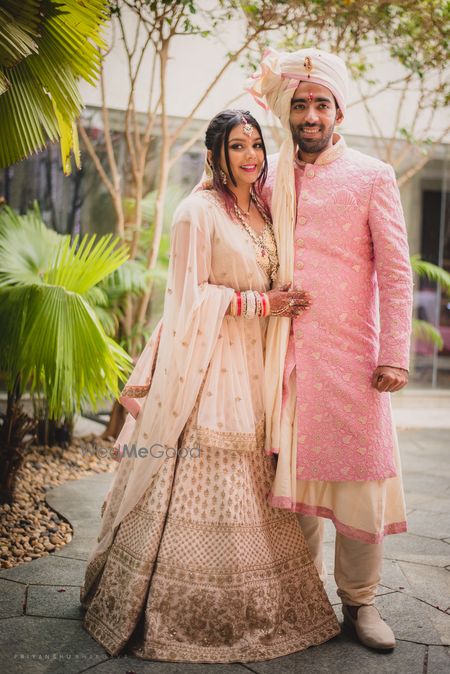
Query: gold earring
x,y
223,177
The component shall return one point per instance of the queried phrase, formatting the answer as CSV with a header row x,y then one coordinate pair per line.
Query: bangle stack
x,y
250,304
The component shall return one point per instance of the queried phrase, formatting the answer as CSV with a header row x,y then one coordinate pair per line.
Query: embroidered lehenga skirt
x,y
204,570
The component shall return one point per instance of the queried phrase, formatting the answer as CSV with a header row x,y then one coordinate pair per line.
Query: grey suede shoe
x,y
370,628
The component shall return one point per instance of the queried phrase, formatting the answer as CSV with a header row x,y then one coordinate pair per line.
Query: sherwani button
x,y
300,242
299,334
305,196
302,220
310,173
300,265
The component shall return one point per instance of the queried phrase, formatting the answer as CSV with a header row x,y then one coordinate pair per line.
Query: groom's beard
x,y
311,145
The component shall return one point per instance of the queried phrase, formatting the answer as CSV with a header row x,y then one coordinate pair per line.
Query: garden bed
x,y
29,528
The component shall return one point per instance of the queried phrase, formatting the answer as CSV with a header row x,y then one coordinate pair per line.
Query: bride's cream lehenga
x,y
192,564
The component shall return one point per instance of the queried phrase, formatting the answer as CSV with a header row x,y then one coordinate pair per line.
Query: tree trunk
x,y
16,424
116,421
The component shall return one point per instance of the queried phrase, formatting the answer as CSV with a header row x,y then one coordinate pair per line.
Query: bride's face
x,y
246,156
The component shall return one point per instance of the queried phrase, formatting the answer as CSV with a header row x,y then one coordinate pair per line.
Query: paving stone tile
x,y
78,548
344,655
433,441
331,589
412,620
416,500
124,664
12,598
437,505
51,602
77,500
393,577
328,556
431,525
329,533
433,486
46,646
438,660
416,549
428,583
441,622
50,570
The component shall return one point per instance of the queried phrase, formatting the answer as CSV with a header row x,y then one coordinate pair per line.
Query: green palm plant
x,y
46,47
52,341
423,329
109,296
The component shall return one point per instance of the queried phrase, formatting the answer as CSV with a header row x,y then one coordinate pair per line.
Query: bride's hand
x,y
287,303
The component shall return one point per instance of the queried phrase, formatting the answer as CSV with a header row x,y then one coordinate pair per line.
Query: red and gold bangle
x,y
264,304
239,304
233,305
260,305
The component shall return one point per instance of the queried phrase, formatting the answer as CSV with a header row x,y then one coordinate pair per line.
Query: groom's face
x,y
313,117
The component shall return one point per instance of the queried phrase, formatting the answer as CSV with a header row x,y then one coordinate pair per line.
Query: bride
x,y
192,564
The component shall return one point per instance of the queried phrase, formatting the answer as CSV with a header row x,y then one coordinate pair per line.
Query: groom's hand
x,y
387,379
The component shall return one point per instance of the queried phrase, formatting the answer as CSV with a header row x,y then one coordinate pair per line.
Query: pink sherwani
x,y
351,255
350,246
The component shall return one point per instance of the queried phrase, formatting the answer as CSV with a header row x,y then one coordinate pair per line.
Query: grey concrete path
x,y
40,615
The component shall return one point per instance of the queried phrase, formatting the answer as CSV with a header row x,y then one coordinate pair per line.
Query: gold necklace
x,y
264,243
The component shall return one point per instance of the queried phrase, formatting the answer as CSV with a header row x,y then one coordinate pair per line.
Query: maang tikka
x,y
247,127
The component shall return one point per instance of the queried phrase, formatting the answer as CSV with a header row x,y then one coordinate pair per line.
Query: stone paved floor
x,y
41,628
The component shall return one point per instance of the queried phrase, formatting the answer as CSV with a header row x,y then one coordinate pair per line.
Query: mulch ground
x,y
28,527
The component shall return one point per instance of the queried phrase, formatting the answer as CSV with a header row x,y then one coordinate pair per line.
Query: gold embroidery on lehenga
x,y
231,586
239,442
135,391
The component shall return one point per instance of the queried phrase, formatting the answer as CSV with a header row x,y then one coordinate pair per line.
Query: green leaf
x,y
26,248
19,30
80,265
431,271
427,332
41,98
51,334
131,278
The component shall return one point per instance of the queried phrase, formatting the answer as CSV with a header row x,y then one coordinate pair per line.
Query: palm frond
x,y
99,300
109,320
131,278
80,265
27,247
427,332
41,98
19,30
71,361
96,297
51,334
431,271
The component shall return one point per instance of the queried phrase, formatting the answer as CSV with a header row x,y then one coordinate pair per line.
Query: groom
x,y
341,236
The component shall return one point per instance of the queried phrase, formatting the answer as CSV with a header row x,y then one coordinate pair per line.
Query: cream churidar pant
x,y
362,512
